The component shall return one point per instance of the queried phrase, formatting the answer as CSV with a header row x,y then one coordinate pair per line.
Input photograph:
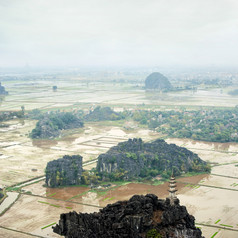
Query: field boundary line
x,y
209,186
60,200
226,176
22,232
219,227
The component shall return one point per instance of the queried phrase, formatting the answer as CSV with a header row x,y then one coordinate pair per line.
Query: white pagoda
x,y
172,189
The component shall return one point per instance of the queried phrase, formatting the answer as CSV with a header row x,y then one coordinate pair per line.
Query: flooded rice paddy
x,y
212,199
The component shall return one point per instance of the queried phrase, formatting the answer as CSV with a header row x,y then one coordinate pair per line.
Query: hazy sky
x,y
118,32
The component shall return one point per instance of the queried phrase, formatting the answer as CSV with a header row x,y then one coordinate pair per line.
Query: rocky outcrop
x,y
2,90
157,81
140,217
51,125
102,114
64,171
135,158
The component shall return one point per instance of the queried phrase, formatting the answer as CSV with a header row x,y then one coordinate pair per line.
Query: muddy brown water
x,y
65,193
44,143
118,193
216,145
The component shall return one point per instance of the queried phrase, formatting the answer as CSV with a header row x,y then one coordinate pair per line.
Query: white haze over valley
x,y
129,33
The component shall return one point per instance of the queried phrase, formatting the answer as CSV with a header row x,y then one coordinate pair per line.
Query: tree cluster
x,y
207,125
50,125
103,114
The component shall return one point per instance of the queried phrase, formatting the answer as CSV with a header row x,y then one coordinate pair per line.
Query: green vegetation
x,y
217,221
89,177
43,202
218,125
78,195
214,234
50,125
2,194
153,233
133,160
64,171
48,225
9,115
137,160
53,205
157,182
192,186
103,114
51,195
226,225
10,189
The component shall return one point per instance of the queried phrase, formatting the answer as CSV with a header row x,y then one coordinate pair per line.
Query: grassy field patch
x,y
226,225
69,207
214,234
48,225
217,221
51,195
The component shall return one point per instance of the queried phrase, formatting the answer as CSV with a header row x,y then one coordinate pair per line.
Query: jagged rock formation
x,y
2,90
135,158
51,125
64,171
157,81
140,217
102,114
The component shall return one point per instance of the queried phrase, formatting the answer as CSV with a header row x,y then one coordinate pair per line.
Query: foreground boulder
x,y
141,216
64,171
157,81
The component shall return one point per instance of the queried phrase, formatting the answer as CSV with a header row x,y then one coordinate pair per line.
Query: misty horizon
x,y
106,34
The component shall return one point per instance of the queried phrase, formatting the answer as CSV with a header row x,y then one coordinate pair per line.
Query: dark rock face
x,y
2,90
64,171
136,158
157,81
141,216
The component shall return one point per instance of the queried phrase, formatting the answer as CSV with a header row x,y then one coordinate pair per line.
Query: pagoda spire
x,y
172,189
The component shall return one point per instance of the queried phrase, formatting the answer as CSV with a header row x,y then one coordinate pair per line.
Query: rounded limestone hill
x,y
157,81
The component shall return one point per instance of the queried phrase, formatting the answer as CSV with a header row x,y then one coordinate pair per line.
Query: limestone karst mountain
x,y
157,81
135,158
64,171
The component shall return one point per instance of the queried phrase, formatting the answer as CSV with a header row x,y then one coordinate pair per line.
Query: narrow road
x,y
8,201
